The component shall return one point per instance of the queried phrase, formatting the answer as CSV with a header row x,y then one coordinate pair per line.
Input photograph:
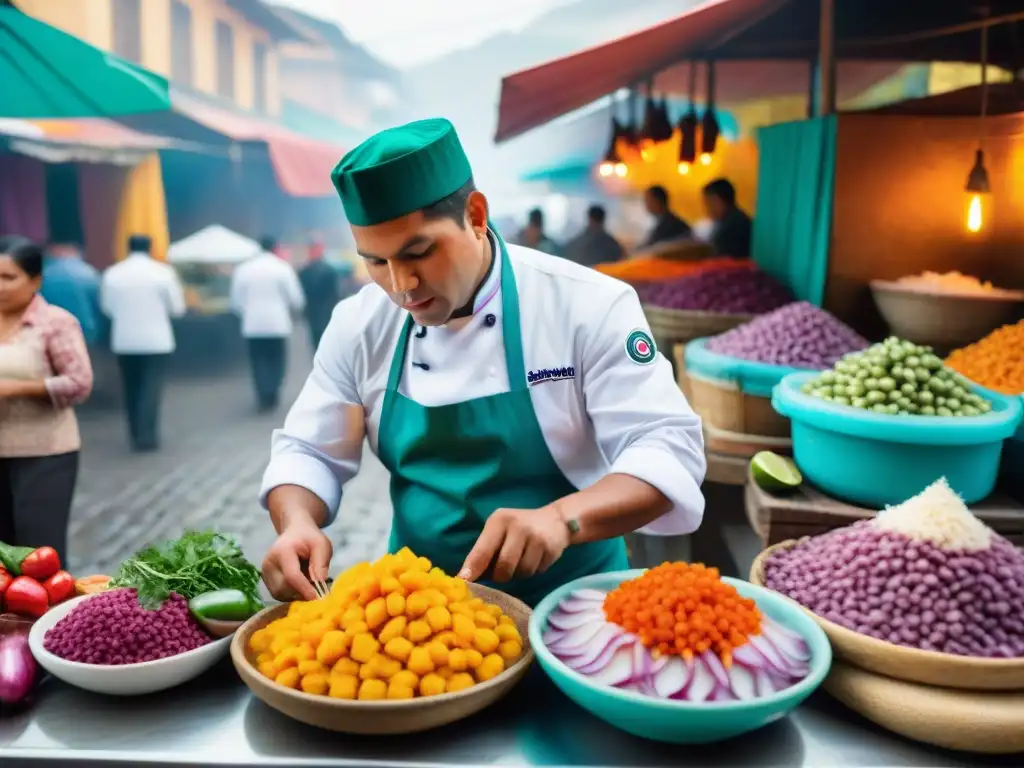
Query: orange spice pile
x,y
682,609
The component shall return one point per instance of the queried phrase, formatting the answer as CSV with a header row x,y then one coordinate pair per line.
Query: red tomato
x,y
59,587
41,564
5,582
27,597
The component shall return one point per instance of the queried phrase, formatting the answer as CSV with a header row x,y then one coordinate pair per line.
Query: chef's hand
x,y
300,542
525,541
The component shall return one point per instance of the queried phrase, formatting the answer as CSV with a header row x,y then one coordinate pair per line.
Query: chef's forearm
x,y
292,504
615,505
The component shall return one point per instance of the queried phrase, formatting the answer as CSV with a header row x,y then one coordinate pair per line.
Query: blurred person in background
x,y
732,226
594,245
533,236
321,286
667,226
142,296
266,294
70,283
44,372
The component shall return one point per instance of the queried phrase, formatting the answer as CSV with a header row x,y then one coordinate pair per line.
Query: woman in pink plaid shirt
x,y
44,372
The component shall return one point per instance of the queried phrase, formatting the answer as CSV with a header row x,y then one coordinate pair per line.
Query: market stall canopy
x,y
86,140
301,165
212,245
763,45
46,73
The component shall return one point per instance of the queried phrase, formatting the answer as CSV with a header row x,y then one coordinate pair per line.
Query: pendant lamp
x,y
613,164
688,127
978,187
709,128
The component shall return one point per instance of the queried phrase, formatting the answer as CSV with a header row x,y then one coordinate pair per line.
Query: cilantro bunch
x,y
196,563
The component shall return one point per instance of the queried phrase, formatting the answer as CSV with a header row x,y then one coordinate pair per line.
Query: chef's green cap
x,y
401,170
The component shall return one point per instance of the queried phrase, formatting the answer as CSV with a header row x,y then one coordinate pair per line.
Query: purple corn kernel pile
x,y
730,291
113,629
799,335
909,592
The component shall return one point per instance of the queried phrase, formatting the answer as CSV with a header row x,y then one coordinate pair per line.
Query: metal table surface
x,y
216,722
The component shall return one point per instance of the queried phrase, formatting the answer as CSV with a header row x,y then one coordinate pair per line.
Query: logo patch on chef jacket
x,y
550,374
640,347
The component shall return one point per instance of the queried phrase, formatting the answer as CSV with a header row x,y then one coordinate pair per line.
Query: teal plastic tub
x,y
875,459
1011,469
757,379
679,722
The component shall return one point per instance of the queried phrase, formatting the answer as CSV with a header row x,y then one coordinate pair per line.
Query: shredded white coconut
x,y
938,515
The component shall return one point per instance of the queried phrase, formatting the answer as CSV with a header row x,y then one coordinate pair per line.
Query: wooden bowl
x,y
944,670
380,718
985,722
943,319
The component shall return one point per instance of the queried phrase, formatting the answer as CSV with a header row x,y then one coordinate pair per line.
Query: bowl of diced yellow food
x,y
397,646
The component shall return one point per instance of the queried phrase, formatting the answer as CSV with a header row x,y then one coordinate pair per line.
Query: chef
x,y
518,401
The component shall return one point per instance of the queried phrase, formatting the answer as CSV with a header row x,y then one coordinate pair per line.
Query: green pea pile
x,y
898,378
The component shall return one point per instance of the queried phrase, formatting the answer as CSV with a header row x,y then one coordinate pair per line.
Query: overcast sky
x,y
408,32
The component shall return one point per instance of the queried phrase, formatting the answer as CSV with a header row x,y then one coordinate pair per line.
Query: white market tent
x,y
212,245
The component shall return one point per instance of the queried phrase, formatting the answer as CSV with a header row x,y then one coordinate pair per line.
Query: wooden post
x,y
812,88
826,59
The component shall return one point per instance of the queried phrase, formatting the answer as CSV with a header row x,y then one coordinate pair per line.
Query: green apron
x,y
453,465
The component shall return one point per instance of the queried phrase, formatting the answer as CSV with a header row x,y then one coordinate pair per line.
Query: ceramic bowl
x,y
123,679
681,722
382,717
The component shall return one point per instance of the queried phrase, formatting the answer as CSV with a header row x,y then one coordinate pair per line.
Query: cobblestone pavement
x,y
206,474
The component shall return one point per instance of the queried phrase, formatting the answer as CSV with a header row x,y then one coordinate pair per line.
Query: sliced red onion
x,y
589,595
763,683
582,638
573,605
574,641
769,651
742,683
716,668
748,656
552,636
619,669
600,649
792,646
702,683
641,665
561,620
672,678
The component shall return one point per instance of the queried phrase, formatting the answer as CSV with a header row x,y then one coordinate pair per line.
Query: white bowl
x,y
121,679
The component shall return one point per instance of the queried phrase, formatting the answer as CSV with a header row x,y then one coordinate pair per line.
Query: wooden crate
x,y
809,512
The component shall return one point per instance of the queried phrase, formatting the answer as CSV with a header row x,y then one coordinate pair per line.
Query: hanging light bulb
x,y
709,128
977,189
978,186
683,168
621,169
611,161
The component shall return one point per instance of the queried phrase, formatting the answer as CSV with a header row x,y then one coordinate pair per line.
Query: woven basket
x,y
681,325
943,670
722,405
986,722
683,250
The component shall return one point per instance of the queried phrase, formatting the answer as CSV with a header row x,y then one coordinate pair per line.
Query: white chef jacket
x,y
601,413
140,296
265,293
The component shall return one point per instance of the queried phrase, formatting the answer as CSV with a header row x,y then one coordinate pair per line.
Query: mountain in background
x,y
465,85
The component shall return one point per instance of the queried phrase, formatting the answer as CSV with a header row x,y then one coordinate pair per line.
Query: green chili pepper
x,y
222,605
12,557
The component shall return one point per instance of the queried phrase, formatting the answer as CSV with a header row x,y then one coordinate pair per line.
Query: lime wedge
x,y
775,473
